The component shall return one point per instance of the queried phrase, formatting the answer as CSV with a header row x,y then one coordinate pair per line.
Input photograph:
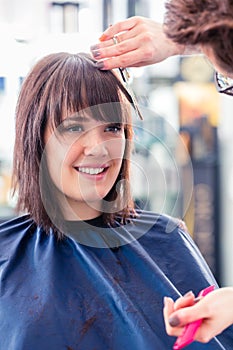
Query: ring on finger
x,y
115,39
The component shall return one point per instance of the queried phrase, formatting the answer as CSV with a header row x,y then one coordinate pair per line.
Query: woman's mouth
x,y
91,171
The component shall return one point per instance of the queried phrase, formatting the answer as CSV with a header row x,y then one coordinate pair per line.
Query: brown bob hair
x,y
198,22
58,84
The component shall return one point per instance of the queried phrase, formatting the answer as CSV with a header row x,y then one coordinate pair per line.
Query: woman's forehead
x,y
84,118
114,112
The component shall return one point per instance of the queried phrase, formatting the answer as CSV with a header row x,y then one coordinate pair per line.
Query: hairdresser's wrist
x,y
176,49
172,48
191,50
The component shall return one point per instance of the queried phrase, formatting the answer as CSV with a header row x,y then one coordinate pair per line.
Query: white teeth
x,y
91,171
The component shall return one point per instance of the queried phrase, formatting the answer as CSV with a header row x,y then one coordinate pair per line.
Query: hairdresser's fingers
x,y
186,300
112,50
208,329
140,51
120,27
142,42
130,59
186,315
118,44
213,309
138,26
143,45
138,38
168,310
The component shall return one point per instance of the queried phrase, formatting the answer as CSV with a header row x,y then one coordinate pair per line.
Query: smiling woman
x,y
81,122
84,162
82,268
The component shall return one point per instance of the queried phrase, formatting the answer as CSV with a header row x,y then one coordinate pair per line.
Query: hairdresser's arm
x,y
141,42
216,309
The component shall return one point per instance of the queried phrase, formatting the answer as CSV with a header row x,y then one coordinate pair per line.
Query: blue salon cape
x,y
68,295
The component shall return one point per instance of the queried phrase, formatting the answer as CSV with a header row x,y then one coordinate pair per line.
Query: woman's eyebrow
x,y
77,118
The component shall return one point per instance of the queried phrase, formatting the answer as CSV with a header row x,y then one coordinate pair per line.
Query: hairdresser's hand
x,y
215,309
141,42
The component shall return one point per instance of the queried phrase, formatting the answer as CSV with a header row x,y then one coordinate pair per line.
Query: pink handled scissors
x,y
190,329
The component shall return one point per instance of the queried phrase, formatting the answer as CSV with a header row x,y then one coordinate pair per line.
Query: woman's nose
x,y
94,144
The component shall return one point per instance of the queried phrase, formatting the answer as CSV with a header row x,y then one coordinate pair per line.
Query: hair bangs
x,y
90,89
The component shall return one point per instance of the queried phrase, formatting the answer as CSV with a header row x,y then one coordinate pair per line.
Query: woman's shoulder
x,y
16,221
16,225
149,226
160,222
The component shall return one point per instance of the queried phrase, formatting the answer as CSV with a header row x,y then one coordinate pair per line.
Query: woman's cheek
x,y
117,149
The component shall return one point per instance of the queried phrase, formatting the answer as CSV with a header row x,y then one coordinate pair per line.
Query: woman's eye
x,y
73,128
115,128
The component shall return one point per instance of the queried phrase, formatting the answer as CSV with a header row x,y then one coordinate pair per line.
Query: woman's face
x,y
84,157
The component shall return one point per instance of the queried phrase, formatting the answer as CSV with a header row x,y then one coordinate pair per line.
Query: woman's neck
x,y
75,210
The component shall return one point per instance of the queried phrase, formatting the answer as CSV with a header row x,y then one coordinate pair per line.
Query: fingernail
x,y
188,294
94,47
165,301
96,53
100,64
174,321
103,37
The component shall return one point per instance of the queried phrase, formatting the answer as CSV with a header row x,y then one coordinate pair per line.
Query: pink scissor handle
x,y
190,329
